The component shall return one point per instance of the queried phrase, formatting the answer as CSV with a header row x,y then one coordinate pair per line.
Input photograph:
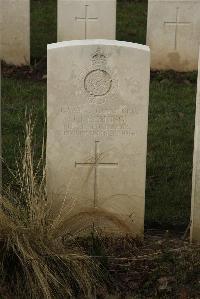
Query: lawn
x,y
171,116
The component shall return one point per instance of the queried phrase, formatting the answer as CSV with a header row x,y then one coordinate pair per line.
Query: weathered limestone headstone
x,y
0,139
195,206
15,31
86,19
173,34
97,114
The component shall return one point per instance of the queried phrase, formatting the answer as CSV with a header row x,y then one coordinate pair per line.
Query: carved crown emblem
x,y
99,58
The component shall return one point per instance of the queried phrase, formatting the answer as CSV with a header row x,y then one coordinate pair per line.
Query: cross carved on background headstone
x,y
86,19
176,23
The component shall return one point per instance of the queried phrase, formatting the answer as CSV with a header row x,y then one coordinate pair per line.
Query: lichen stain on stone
x,y
178,64
83,220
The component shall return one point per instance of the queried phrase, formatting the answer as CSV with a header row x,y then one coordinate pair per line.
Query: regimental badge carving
x,y
98,81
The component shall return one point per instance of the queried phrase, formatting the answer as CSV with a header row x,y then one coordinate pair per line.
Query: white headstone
x,y
90,19
97,114
0,139
195,206
173,34
15,31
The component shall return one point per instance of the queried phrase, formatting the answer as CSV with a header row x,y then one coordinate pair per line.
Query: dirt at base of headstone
x,y
160,266
35,72
4,293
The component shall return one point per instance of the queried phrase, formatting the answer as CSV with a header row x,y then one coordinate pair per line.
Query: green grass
x,y
170,147
171,115
18,97
43,26
131,21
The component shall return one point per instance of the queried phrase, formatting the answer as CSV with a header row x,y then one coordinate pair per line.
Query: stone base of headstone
x,y
15,31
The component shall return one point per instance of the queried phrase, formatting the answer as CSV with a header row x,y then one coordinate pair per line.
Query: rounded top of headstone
x,y
97,42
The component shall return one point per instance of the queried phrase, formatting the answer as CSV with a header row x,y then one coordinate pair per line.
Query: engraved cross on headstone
x,y
96,164
86,19
176,23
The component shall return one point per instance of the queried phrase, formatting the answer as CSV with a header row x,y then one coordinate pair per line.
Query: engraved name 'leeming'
x,y
100,125
98,122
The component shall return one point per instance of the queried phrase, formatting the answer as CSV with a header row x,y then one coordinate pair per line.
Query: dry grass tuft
x,y
34,260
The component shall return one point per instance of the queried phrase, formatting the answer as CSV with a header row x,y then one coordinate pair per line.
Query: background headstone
x,y
195,207
97,114
15,31
91,19
173,34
